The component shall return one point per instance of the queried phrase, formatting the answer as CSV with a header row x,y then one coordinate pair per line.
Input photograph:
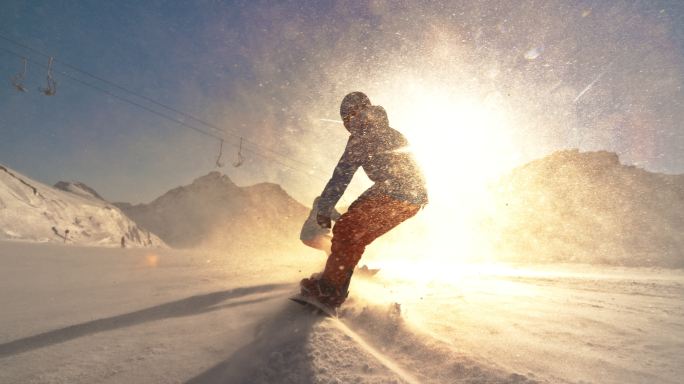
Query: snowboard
x,y
314,304
364,271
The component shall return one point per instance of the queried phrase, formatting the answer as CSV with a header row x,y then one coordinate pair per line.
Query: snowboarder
x,y
397,194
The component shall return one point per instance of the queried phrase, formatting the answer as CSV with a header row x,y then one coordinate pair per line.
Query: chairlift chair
x,y
17,80
51,88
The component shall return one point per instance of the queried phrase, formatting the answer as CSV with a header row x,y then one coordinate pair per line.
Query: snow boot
x,y
323,291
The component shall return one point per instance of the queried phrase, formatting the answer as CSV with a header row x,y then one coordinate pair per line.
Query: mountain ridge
x,y
212,211
574,206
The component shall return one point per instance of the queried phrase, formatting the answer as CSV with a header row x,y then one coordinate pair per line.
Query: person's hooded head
x,y
373,119
351,106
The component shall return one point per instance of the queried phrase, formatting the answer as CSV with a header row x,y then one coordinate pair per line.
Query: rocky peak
x,y
213,179
77,188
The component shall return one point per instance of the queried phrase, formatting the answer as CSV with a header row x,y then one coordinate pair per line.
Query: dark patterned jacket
x,y
384,155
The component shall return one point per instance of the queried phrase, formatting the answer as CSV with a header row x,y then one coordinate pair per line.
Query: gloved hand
x,y
324,221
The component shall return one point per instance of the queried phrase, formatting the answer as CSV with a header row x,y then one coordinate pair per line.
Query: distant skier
x,y
397,194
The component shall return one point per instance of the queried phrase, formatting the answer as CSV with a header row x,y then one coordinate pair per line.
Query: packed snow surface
x,y
105,315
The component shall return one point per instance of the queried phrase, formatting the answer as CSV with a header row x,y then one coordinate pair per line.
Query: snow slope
x,y
84,315
32,211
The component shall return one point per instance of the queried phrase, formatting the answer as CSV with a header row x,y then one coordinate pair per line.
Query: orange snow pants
x,y
367,219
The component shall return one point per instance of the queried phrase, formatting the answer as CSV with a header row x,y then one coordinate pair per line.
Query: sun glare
x,y
461,142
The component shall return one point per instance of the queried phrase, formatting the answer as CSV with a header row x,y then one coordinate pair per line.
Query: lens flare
x,y
151,260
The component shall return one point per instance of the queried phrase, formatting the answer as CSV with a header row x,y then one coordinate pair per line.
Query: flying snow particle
x,y
331,121
534,53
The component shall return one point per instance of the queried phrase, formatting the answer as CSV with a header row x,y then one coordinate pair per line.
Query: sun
x,y
457,138
462,142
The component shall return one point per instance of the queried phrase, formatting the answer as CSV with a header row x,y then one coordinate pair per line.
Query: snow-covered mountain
x,y
73,214
588,207
214,212
78,188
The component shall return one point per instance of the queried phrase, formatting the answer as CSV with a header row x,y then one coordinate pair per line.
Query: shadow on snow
x,y
190,306
280,352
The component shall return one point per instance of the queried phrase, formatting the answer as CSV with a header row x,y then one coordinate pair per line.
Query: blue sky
x,y
270,73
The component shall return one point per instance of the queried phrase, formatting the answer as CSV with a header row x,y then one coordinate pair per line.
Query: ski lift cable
x,y
108,82
151,100
123,99
170,118
180,122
